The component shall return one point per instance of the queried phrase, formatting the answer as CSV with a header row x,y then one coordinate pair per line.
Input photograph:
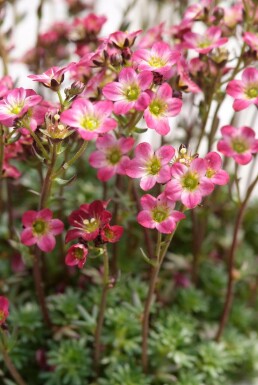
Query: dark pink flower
x,y
245,91
162,106
214,171
205,43
89,119
159,59
87,221
111,234
76,255
150,166
110,156
16,103
40,229
158,213
4,309
238,143
128,92
189,184
52,78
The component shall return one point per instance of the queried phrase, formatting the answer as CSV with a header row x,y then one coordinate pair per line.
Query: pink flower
x,y
214,171
189,184
233,15
185,83
205,43
238,143
52,78
4,309
245,91
128,92
6,84
92,23
16,103
76,255
162,106
40,229
251,39
122,39
150,166
87,221
111,234
158,213
151,36
159,59
111,156
90,119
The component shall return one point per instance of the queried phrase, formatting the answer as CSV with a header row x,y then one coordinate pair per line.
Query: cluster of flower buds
x,y
91,223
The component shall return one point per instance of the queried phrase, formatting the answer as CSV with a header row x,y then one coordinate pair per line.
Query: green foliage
x,y
70,362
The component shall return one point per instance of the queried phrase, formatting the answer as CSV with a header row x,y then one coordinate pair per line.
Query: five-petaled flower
x,y
89,119
150,166
4,309
40,229
128,92
158,213
110,156
16,103
162,106
159,59
205,43
238,143
245,91
76,255
87,221
189,184
214,171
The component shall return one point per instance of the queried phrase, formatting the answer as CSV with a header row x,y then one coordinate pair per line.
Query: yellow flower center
x,y
154,166
90,225
132,93
156,62
39,227
90,123
160,213
190,181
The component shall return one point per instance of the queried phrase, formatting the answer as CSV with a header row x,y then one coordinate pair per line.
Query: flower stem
x,y
37,140
102,308
161,252
77,155
48,180
231,262
12,369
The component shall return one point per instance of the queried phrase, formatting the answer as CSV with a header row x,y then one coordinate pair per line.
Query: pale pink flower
x,y
159,59
121,39
245,91
6,84
128,92
214,171
152,167
206,42
89,119
238,143
162,106
76,255
40,229
252,40
16,103
185,83
110,156
158,213
189,184
52,78
151,36
233,15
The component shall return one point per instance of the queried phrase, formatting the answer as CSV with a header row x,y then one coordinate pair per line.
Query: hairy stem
x,y
102,308
160,255
231,263
12,369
